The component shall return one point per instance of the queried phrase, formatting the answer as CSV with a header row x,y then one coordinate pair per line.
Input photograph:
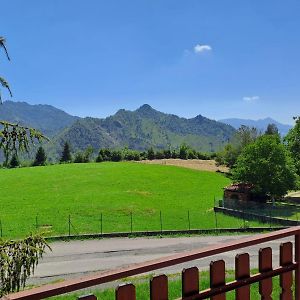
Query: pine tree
x,y
40,157
66,154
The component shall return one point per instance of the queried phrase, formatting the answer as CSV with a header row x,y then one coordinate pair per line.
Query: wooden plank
x,y
242,272
190,282
217,278
265,265
125,292
159,288
286,279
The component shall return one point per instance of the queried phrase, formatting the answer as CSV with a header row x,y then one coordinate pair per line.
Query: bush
x,y
116,155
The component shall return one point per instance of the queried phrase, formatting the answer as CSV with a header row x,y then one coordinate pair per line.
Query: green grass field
x,y
44,197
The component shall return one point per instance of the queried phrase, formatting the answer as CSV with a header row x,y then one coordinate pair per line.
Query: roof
x,y
240,187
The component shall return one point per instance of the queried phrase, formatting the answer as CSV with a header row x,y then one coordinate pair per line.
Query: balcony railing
x,y
288,270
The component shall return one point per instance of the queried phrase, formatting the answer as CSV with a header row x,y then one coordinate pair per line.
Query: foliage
x,y
104,155
116,155
183,151
40,157
272,129
84,157
267,165
66,154
18,260
244,136
292,141
142,129
150,154
14,162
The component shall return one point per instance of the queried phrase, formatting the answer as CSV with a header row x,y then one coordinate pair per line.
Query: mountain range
x,y
260,124
140,129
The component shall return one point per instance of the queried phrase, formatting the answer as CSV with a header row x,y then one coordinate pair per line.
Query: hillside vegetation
x,y
145,128
44,197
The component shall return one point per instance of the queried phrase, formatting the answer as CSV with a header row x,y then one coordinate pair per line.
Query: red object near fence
x,y
288,265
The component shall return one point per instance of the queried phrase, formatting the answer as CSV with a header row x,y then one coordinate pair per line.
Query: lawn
x,y
43,198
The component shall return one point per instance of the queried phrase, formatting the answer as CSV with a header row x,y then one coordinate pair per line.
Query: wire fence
x,y
278,210
63,224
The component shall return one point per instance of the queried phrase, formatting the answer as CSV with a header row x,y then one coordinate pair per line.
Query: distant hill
x,y
142,129
48,119
260,124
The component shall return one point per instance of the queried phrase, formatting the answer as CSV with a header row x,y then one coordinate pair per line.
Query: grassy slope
x,y
115,189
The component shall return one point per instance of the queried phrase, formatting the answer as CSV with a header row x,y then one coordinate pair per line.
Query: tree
x,y
150,154
40,157
183,151
267,165
66,154
292,141
18,260
244,136
272,129
14,162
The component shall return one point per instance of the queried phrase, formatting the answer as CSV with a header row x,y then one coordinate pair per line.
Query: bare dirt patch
x,y
196,164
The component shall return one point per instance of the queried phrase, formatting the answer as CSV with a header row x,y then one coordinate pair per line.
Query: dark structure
x,y
239,191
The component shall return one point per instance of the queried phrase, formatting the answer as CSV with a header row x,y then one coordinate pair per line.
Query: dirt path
x,y
196,164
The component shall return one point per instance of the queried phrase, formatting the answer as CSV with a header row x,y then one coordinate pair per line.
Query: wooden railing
x,y
289,264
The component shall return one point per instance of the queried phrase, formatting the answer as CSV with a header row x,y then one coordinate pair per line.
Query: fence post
x,y
69,225
160,217
216,220
189,221
131,224
36,222
101,223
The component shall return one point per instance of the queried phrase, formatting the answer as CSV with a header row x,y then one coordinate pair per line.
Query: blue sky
x,y
218,58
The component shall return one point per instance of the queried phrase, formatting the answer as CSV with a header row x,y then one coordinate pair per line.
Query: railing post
x,y
297,271
125,292
286,279
159,288
190,282
217,278
265,265
242,271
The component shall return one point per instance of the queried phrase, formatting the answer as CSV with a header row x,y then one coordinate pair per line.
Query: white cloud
x,y
202,48
251,98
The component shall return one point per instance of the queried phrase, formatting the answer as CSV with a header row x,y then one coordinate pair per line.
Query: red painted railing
x,y
289,264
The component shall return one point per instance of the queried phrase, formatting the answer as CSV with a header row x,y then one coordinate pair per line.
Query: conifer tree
x,y
66,154
40,157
